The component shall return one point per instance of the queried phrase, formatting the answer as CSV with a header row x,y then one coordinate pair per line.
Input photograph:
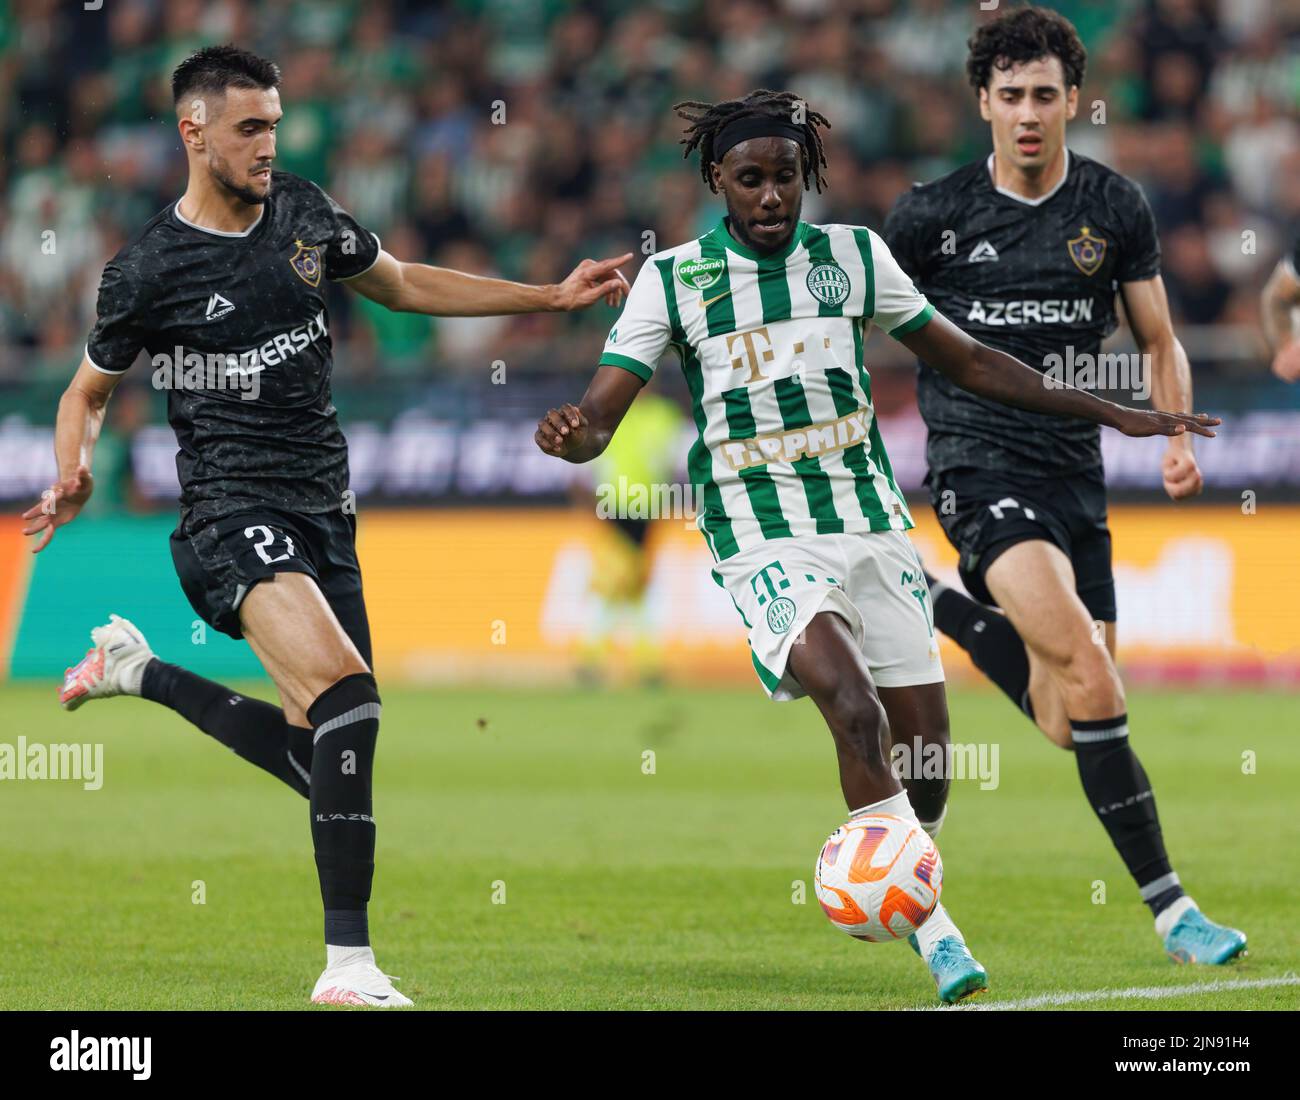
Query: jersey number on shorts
x,y
268,537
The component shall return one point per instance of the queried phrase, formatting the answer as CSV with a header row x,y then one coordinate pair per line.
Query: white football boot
x,y
355,980
114,666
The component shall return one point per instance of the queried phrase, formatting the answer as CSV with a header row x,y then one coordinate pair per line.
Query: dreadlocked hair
x,y
707,120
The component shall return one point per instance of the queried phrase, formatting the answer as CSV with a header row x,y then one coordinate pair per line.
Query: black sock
x,y
255,730
1120,794
989,638
346,722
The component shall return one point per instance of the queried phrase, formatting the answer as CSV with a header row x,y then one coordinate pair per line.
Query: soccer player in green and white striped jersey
x,y
798,503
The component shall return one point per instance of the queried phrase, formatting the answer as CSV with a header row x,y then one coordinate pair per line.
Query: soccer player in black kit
x,y
1026,251
224,291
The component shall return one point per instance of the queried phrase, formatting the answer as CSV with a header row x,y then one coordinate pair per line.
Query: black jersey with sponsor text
x,y
235,327
1031,278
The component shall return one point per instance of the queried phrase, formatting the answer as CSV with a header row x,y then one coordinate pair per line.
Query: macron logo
x,y
982,253
218,307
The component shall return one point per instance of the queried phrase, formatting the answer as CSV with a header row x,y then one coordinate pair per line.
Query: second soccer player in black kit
x,y
224,291
1027,251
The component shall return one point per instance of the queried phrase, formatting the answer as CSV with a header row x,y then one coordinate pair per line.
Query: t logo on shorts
x,y
780,615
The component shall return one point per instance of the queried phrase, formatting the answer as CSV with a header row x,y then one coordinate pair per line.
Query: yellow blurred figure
x,y
635,484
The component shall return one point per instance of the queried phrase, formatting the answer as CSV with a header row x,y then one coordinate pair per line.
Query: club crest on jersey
x,y
700,274
1087,251
829,284
306,262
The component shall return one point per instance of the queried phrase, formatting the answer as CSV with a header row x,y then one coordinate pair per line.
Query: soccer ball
x,y
879,877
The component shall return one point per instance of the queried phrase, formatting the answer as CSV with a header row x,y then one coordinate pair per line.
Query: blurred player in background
x,y
1043,238
228,281
634,478
800,507
1278,304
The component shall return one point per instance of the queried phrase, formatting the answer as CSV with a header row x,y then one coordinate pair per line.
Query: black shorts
x,y
219,563
985,513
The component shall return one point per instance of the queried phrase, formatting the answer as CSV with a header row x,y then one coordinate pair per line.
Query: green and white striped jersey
x,y
772,351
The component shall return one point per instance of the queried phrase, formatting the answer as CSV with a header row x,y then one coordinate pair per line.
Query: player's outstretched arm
x,y
1001,377
1147,307
81,416
578,433
419,288
1281,296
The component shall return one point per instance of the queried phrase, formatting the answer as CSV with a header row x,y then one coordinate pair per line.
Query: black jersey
x,y
236,330
1031,278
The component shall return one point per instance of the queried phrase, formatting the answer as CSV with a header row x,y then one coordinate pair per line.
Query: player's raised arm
x,y
1002,377
420,288
1280,298
1147,307
76,430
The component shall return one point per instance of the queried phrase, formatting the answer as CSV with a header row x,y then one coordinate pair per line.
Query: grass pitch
x,y
625,888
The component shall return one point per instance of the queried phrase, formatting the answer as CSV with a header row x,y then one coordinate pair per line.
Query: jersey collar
x,y
1021,198
176,209
722,235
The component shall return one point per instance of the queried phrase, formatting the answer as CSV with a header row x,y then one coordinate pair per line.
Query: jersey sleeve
x,y
897,306
120,322
644,329
1140,250
352,250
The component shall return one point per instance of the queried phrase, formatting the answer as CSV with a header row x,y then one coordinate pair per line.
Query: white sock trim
x,y
1168,916
932,827
897,804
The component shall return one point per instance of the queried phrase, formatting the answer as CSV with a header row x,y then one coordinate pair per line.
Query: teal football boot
x,y
956,973
1197,939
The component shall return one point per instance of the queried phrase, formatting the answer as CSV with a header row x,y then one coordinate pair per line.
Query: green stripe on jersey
x,y
855,457
816,484
759,485
773,288
719,313
714,521
863,237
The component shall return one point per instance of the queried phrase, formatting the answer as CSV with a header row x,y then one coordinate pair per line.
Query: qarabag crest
x,y
307,263
1087,251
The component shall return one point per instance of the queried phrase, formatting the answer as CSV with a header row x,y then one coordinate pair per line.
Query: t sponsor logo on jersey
x,y
701,273
219,307
1087,251
982,253
829,284
1031,311
306,262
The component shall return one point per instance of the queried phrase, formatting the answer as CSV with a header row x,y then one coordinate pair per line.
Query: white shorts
x,y
873,580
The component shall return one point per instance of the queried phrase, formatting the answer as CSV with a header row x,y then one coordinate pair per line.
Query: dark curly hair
x,y
707,120
1021,35
213,69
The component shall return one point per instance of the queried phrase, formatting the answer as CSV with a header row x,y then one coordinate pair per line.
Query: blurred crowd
x,y
515,137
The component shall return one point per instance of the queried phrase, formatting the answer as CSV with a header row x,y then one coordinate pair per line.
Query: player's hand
x,y
1286,363
1142,422
59,504
592,280
1181,474
561,430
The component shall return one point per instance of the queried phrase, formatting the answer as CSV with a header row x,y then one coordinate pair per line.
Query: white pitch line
x,y
1157,992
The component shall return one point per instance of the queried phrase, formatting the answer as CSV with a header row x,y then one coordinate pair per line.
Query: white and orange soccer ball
x,y
879,877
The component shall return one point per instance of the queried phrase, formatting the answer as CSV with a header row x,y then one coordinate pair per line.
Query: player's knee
x,y
1057,731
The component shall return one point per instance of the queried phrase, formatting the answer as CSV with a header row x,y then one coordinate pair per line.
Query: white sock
x,y
336,955
938,927
896,804
933,827
1168,916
